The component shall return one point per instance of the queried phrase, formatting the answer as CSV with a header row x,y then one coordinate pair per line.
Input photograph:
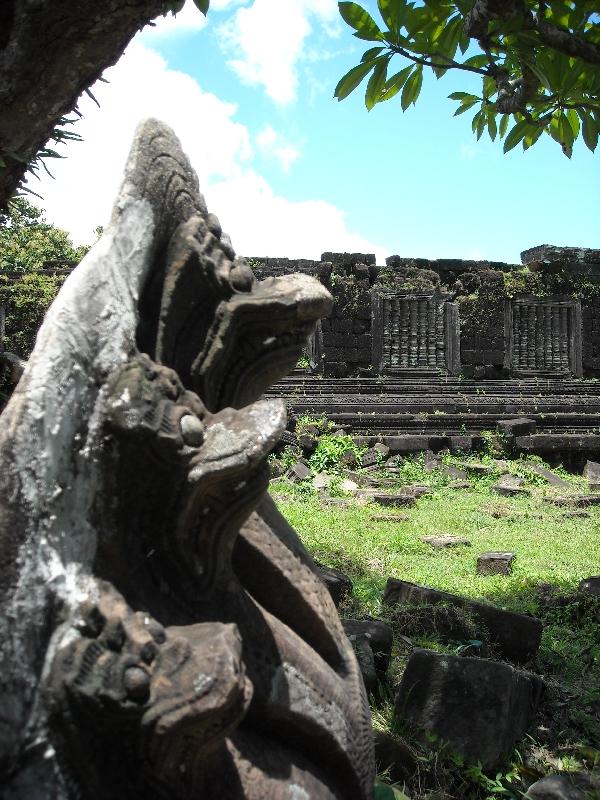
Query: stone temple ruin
x,y
427,354
163,632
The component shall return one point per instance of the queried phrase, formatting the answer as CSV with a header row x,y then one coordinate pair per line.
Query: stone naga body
x,y
163,633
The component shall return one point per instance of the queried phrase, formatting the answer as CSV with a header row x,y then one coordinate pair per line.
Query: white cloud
x,y
267,40
281,227
273,145
219,147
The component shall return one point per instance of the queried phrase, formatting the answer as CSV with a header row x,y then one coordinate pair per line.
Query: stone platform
x,y
419,412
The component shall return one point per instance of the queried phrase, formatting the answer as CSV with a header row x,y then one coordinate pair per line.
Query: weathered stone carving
x,y
163,633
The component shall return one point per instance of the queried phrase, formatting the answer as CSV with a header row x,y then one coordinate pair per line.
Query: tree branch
x,y
450,64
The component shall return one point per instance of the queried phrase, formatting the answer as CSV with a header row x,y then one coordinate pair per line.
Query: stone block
x,y
349,458
516,636
480,707
299,471
590,585
288,439
406,443
366,661
369,458
307,443
554,787
495,563
338,584
550,477
348,486
522,426
443,540
379,636
461,444
591,471
399,499
382,449
509,486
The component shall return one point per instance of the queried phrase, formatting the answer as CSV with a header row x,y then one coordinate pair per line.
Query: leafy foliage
x,y
539,63
25,303
28,242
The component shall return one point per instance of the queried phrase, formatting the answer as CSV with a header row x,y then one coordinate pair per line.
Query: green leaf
x,y
504,125
376,83
492,126
481,123
395,83
352,78
412,88
566,134
466,105
461,96
393,12
475,120
573,122
589,130
202,5
517,132
359,19
371,54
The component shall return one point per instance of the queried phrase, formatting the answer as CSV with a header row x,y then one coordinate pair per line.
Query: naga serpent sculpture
x,y
163,632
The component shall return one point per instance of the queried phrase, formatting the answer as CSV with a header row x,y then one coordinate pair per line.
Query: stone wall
x,y
478,298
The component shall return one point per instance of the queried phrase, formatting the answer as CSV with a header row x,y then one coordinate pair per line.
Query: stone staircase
x,y
401,409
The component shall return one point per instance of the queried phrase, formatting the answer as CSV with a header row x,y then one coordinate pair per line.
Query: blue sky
x,y
292,172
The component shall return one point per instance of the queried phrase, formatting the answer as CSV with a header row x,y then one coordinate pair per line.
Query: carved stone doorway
x,y
543,337
416,332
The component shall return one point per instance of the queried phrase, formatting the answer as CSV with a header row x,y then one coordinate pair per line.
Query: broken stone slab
x,y
299,471
338,584
379,636
322,480
348,486
477,469
389,517
288,439
454,472
366,660
307,443
382,449
459,485
480,707
370,458
554,787
575,500
577,514
516,636
590,585
510,486
522,426
349,458
400,499
553,480
361,479
495,563
440,541
591,471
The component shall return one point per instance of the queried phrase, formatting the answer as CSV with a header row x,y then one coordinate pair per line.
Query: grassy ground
x,y
551,548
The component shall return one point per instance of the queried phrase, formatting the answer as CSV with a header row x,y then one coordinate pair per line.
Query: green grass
x,y
550,549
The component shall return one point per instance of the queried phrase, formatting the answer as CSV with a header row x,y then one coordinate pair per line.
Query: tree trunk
x,y
49,54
